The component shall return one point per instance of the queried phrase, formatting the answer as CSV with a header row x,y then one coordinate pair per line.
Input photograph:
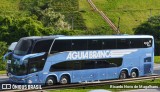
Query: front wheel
x,y
123,75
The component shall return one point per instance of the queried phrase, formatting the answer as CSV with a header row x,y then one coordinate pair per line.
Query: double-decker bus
x,y
75,59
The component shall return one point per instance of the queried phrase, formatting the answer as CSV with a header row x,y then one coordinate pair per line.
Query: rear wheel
x,y
134,74
123,75
64,80
51,81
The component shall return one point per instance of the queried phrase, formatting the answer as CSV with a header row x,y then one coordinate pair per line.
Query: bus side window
x,y
79,44
123,44
60,46
109,44
115,62
42,46
135,43
94,44
88,64
101,64
77,65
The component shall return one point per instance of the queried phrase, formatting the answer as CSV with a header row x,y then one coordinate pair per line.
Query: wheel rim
x,y
50,82
64,81
133,75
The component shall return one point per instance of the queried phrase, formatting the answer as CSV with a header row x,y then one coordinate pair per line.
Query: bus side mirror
x,y
12,46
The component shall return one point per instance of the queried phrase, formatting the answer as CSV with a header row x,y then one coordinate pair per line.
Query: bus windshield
x,y
23,46
18,68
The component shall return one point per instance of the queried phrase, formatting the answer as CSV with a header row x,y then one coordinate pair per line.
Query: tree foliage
x,y
150,27
3,49
65,10
56,20
12,29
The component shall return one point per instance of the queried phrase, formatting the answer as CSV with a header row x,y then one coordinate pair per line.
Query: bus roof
x,y
104,36
88,37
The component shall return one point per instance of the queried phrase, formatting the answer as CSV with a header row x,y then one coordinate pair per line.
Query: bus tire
x,y
134,74
51,81
123,75
64,80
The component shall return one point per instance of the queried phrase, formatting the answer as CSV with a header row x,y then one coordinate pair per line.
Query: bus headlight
x,y
30,81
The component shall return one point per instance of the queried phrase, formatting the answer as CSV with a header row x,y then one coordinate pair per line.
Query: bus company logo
x,y
6,86
73,55
88,55
148,43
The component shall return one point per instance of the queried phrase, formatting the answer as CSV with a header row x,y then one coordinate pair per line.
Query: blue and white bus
x,y
75,59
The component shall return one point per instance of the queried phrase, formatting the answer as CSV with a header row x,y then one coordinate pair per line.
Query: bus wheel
x,y
50,81
64,80
123,75
134,74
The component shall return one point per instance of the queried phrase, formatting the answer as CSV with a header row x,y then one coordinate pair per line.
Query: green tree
x,y
44,10
55,20
12,28
3,50
151,27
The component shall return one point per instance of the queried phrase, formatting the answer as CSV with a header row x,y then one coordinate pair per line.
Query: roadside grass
x,y
131,12
157,59
108,87
3,72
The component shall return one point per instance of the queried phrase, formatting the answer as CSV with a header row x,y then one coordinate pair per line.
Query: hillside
x,y
9,7
131,12
92,19
81,16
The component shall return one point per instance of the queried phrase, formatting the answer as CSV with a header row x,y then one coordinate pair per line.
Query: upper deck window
x,y
94,44
61,45
79,44
23,46
42,46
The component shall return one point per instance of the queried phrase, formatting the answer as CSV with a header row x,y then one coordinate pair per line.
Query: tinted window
x,y
147,42
65,66
94,44
36,64
109,44
77,65
61,45
87,64
79,44
114,62
123,43
135,43
59,67
23,46
42,46
101,64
